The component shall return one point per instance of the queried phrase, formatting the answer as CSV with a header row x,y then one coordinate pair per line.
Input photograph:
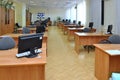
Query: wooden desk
x,y
88,39
15,37
105,63
65,27
32,30
71,31
12,68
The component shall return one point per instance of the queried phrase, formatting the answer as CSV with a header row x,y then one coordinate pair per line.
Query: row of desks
x,y
12,68
105,63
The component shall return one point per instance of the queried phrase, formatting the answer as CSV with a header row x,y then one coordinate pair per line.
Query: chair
x,y
6,43
88,30
25,30
114,39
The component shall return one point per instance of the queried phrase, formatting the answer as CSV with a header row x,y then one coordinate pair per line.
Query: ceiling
x,y
50,3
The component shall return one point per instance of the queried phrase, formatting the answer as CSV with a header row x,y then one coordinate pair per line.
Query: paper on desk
x,y
113,52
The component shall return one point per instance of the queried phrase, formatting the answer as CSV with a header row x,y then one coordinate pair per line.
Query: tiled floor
x,y
63,63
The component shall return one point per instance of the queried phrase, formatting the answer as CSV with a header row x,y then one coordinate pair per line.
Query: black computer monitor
x,y
30,43
79,23
74,21
91,25
109,30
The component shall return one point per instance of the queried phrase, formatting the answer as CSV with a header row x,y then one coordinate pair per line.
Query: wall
x,y
117,26
87,11
52,13
110,14
20,13
94,13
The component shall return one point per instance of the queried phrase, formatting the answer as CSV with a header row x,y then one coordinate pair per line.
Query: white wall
x,y
52,13
20,13
78,14
117,26
110,14
94,9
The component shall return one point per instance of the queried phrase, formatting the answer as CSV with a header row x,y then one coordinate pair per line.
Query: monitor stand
x,y
32,53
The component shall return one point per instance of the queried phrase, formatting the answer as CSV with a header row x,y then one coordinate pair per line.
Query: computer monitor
x,y
74,21
79,23
91,25
109,30
30,43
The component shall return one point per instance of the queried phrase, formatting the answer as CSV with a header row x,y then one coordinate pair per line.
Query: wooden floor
x,y
63,63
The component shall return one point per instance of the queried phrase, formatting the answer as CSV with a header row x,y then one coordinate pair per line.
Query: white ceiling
x,y
50,3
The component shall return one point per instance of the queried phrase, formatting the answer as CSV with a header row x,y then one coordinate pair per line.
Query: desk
x,y
88,39
12,68
32,30
71,31
65,27
105,63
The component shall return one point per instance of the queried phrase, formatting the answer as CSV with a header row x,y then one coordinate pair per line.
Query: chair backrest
x,y
6,42
114,39
25,30
86,30
90,25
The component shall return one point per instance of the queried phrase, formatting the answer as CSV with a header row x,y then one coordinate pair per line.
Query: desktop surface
x,y
8,58
91,34
13,68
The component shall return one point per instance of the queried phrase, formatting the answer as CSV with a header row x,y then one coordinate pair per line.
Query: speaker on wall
x,y
102,12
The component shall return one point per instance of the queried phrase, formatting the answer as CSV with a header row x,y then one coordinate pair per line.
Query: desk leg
x,y
68,35
77,44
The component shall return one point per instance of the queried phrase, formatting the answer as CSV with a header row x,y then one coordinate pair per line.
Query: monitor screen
x,y
91,25
30,43
109,30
